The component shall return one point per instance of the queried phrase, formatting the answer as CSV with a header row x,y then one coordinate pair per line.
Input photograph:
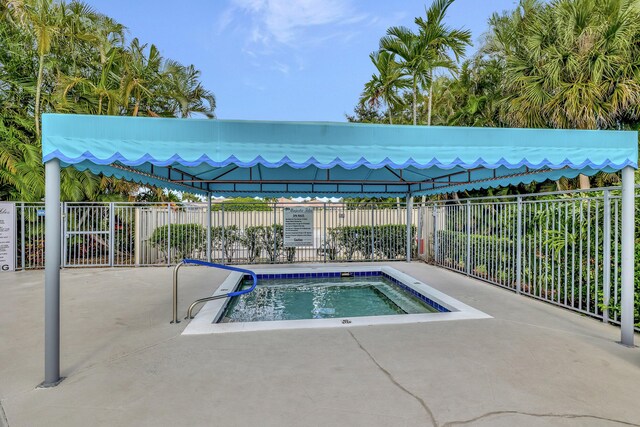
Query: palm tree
x,y
141,75
575,66
410,49
385,84
88,95
41,18
186,92
20,160
438,41
422,53
50,23
63,56
473,97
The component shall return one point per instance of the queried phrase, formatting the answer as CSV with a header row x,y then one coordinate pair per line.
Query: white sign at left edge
x,y
7,236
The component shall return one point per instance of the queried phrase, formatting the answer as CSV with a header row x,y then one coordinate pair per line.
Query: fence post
x,y
137,231
63,238
324,238
606,257
22,237
419,231
409,207
274,259
519,247
372,232
223,236
209,227
468,254
112,232
435,233
168,233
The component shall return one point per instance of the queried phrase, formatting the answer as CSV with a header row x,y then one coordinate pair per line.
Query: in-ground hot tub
x,y
325,297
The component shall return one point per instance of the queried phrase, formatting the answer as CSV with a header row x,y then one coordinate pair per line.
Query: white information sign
x,y
7,237
298,227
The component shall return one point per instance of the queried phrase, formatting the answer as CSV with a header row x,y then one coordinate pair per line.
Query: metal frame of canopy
x,y
320,159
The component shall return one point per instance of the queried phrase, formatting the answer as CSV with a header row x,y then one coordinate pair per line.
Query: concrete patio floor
x,y
531,365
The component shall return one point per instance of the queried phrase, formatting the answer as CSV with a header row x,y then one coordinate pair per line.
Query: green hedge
x,y
343,243
455,243
389,241
544,281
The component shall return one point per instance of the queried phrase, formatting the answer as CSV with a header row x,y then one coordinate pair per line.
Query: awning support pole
x,y
628,241
52,244
409,217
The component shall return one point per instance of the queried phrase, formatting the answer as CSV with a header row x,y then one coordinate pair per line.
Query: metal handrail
x,y
175,292
200,301
195,303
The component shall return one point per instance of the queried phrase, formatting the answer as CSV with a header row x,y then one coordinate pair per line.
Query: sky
x,y
298,60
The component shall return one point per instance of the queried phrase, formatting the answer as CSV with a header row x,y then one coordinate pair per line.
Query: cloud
x,y
286,21
280,66
225,19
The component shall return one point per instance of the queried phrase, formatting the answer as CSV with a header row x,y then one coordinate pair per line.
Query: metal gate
x,y
87,235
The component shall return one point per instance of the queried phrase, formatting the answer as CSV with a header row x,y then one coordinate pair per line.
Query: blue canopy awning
x,y
255,158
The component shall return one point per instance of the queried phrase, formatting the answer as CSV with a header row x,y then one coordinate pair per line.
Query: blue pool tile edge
x,y
326,275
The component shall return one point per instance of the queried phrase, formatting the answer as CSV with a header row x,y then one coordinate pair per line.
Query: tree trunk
x,y
136,108
584,182
390,116
38,92
415,101
430,100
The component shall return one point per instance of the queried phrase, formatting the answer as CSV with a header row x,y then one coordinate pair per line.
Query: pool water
x,y
315,298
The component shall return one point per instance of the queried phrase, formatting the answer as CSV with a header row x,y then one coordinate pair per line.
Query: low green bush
x,y
183,241
226,239
388,241
455,242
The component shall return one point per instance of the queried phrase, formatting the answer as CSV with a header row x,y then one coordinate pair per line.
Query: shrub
x,y
347,240
226,239
272,240
183,242
456,244
389,240
252,241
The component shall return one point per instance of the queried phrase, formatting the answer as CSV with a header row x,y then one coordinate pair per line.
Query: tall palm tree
x,y
424,52
385,84
439,42
41,18
141,75
50,23
410,49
